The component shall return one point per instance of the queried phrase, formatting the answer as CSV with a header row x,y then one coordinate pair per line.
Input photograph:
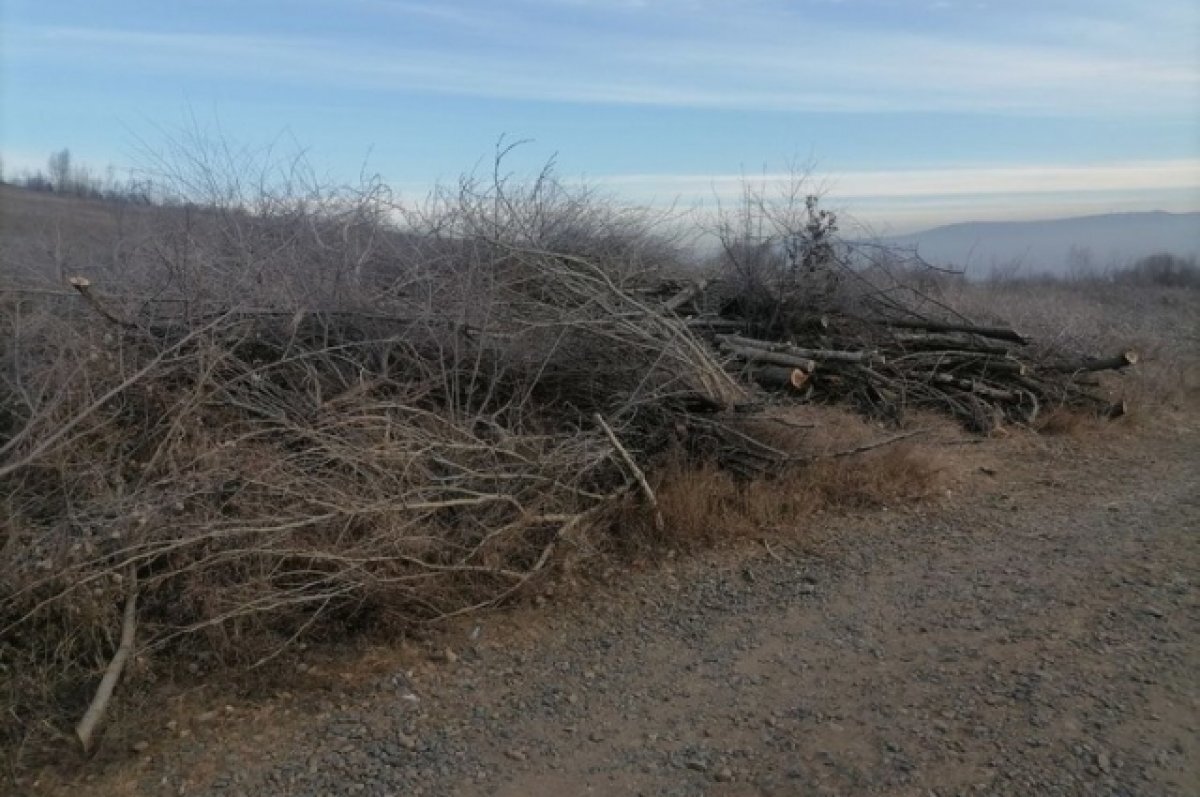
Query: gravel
x,y
1037,634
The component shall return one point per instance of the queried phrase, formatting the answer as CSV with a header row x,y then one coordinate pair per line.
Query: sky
x,y
909,113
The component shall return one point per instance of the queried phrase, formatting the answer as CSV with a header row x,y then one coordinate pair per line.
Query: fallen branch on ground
x,y
86,729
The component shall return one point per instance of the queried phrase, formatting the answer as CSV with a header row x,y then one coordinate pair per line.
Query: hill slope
x,y
1056,246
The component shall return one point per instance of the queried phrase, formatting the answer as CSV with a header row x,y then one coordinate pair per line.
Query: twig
x,y
887,441
771,553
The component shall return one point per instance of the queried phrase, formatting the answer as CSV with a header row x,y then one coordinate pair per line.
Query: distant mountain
x,y
1057,246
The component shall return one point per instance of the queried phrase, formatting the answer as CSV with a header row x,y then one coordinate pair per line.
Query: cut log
x,y
1114,363
780,377
995,333
763,356
824,355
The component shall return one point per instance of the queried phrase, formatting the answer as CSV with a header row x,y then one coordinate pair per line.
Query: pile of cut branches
x,y
295,418
221,472
801,312
984,376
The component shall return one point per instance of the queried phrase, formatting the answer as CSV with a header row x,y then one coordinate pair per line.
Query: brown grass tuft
x,y
703,505
1063,421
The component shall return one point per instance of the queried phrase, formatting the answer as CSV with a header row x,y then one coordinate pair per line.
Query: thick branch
x,y
828,355
762,356
996,333
86,728
1114,363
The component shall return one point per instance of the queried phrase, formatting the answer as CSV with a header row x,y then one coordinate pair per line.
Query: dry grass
x,y
703,505
1062,421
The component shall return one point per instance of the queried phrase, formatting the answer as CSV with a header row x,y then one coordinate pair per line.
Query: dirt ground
x,y
1036,631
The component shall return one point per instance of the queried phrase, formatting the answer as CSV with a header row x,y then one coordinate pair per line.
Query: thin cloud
x,y
851,72
980,184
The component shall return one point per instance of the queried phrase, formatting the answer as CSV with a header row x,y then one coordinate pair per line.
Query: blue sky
x,y
913,112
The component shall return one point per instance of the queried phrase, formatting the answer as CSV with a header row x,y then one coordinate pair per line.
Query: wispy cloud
x,y
910,198
743,65
688,87
942,182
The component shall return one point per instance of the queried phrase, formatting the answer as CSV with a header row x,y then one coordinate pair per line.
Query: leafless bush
x,y
784,263
270,444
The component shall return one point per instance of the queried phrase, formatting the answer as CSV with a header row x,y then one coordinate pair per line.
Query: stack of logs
x,y
983,375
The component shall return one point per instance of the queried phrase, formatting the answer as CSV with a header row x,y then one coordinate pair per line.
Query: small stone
x,y
207,716
696,764
515,755
1103,761
140,747
406,741
1154,611
724,775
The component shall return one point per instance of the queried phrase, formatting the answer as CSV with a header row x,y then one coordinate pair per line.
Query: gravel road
x,y
1034,633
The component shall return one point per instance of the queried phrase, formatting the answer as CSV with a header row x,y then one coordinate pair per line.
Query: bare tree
x,y
59,166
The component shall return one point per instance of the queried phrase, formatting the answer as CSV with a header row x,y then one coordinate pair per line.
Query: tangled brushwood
x,y
290,418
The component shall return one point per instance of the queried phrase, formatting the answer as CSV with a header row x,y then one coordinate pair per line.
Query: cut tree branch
x,y
86,729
